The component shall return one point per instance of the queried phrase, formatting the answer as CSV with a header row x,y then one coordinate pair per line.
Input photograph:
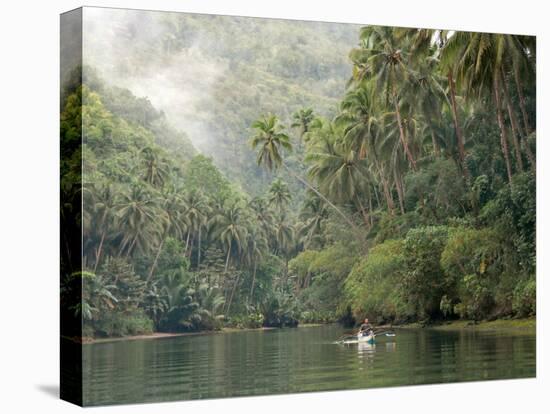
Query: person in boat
x,y
366,328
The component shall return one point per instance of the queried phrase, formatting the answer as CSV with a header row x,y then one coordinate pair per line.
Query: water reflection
x,y
295,360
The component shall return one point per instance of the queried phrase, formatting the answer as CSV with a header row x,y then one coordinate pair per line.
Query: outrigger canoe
x,y
359,338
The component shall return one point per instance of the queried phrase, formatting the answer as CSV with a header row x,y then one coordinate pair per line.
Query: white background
x,y
29,147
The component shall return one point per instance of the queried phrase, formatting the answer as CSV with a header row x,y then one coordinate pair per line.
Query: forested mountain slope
x,y
212,75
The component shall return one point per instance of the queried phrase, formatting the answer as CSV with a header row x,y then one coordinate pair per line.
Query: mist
x,y
124,46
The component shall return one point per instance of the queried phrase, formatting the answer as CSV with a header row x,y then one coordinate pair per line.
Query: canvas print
x,y
264,206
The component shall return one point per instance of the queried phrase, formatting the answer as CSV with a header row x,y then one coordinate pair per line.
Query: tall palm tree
x,y
138,219
359,119
263,214
314,213
230,230
302,119
256,246
480,62
279,195
104,203
197,212
271,140
154,166
174,223
340,172
386,59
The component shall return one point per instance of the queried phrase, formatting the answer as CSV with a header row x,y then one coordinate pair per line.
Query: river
x,y
296,360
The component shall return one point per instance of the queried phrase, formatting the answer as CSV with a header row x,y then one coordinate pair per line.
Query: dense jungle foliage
x,y
407,193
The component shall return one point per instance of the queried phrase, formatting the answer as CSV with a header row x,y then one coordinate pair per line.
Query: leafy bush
x,y
424,283
123,324
373,286
251,321
525,296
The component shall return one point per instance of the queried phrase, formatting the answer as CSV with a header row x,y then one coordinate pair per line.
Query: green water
x,y
296,360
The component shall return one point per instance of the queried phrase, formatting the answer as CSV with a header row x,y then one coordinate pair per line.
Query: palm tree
x,y
104,204
262,213
302,119
138,218
174,222
229,229
480,58
270,139
279,195
197,211
358,117
340,172
256,247
314,213
155,169
285,237
386,60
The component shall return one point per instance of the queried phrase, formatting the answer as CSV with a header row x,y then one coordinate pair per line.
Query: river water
x,y
296,360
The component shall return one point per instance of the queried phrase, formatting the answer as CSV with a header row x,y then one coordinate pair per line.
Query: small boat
x,y
359,338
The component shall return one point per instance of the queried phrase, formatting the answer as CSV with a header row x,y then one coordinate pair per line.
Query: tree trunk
x,y
387,193
326,200
503,135
458,130
364,213
232,293
156,258
375,188
98,252
253,281
521,100
402,133
399,186
513,124
435,145
370,208
227,259
132,246
199,249
187,242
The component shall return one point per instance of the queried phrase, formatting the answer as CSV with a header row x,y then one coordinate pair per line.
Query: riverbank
x,y
160,335
516,325
525,324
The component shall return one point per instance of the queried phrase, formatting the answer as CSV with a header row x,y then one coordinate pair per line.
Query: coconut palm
x,y
138,219
175,222
154,166
279,195
230,230
104,203
340,172
386,58
302,120
270,140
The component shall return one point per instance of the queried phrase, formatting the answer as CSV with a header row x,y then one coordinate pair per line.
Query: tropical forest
x,y
290,174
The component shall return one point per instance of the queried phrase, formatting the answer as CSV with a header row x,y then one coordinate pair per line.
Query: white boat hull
x,y
367,339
